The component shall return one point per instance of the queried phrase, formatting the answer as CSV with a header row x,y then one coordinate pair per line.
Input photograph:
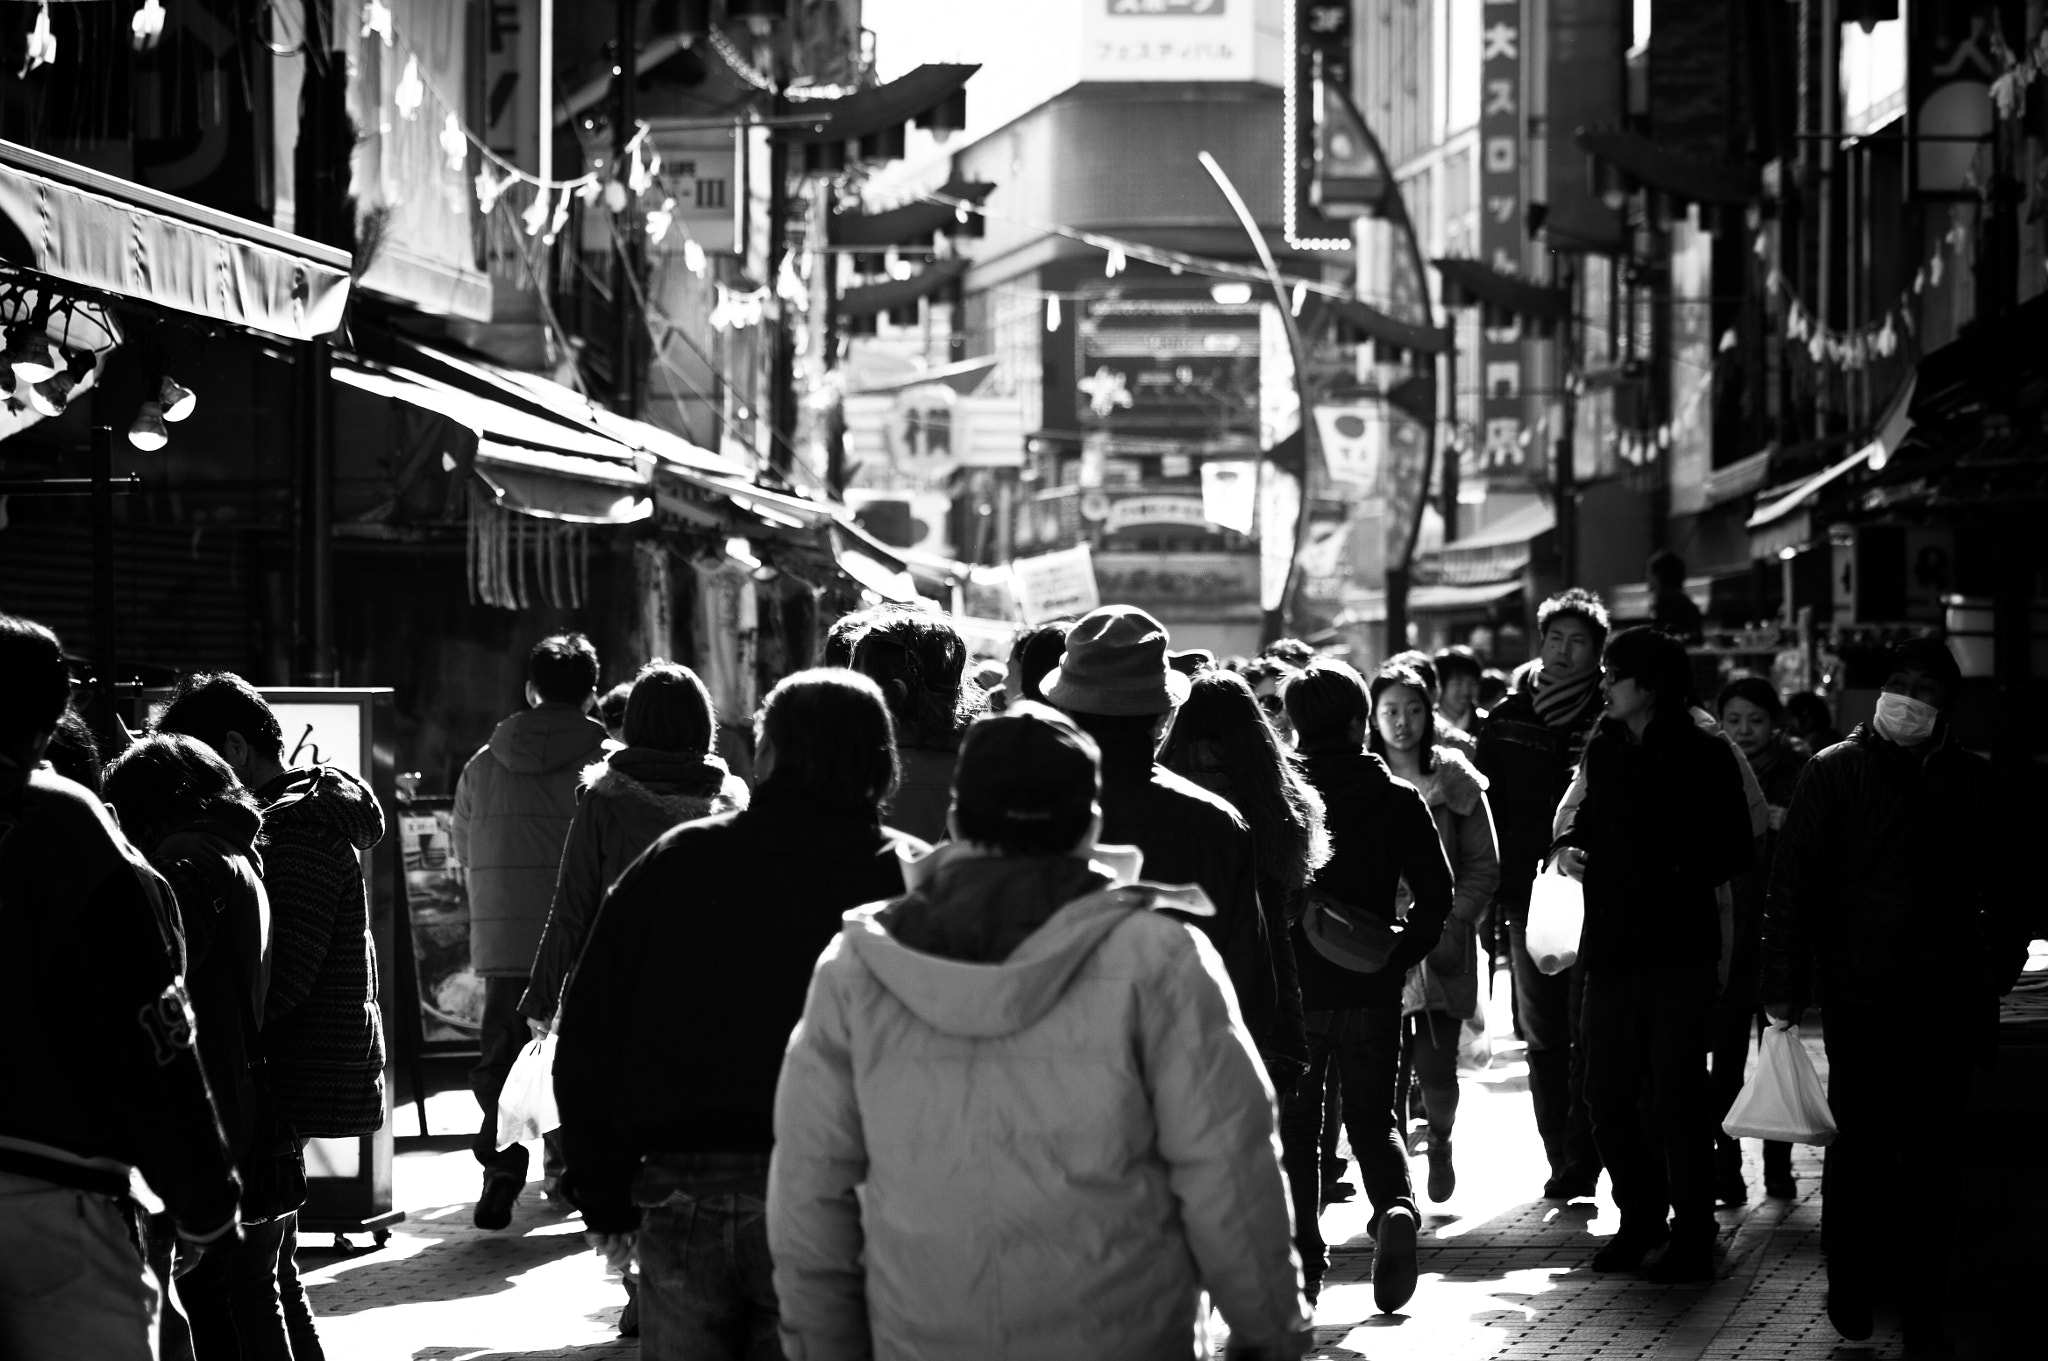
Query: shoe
x,y
1443,1177
1627,1249
1570,1186
1689,1259
1781,1186
1393,1260
629,1317
1312,1288
1849,1311
1337,1192
494,1205
1731,1190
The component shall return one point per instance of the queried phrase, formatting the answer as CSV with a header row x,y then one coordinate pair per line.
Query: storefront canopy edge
x,y
489,419
1444,599
1768,526
106,233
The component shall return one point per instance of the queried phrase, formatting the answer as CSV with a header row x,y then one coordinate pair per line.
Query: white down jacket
x,y
1049,1156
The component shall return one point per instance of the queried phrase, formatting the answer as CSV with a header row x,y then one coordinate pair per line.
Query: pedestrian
x,y
1443,991
1020,1117
1354,955
1809,722
1528,749
679,1010
1292,653
74,752
1493,688
1267,676
323,1029
1664,822
1753,717
611,711
513,805
1673,610
99,1067
183,808
1896,902
1444,733
919,660
1459,678
1034,654
664,775
1114,682
846,632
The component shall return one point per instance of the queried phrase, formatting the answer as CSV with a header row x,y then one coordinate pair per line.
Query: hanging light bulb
x,y
41,48
176,399
32,357
411,90
53,394
1052,311
149,433
147,26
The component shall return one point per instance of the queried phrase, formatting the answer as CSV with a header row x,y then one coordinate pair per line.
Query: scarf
x,y
1562,704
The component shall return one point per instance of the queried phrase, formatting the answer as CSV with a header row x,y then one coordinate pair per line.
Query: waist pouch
x,y
1347,935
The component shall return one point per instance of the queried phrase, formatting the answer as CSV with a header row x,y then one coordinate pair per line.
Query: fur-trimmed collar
x,y
713,790
1455,783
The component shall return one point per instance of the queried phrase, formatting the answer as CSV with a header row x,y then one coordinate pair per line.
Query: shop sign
x,y
1354,438
1169,363
1054,584
1133,511
1134,40
1179,579
1500,229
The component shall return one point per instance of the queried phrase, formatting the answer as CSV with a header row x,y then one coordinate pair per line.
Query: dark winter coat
x,y
513,806
1894,879
630,798
1777,773
99,1070
695,972
323,1032
1665,822
1528,766
924,792
1381,833
1190,836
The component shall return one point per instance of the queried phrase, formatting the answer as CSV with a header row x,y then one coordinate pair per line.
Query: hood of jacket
x,y
325,797
545,739
1455,784
235,823
964,902
683,787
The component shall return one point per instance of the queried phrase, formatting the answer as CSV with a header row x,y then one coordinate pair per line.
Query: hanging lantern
x,y
411,90
693,257
42,44
454,143
377,21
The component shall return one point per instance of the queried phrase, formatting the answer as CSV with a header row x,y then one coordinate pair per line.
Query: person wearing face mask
x,y
1892,887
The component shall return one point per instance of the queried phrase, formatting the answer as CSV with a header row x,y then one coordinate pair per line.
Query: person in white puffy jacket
x,y
1021,1117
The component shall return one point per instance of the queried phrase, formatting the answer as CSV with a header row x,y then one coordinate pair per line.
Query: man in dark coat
x,y
1892,891
1114,680
1528,748
676,1018
1381,833
1664,821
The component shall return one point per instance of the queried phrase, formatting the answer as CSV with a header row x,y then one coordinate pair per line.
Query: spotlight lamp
x,y
50,396
32,357
149,433
175,399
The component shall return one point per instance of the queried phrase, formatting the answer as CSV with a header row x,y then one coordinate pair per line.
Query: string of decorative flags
x,y
2017,71
1853,349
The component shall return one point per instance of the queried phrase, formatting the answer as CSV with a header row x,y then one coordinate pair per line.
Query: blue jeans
x,y
707,1292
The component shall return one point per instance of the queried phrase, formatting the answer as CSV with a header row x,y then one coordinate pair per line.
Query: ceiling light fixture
x,y
149,433
175,399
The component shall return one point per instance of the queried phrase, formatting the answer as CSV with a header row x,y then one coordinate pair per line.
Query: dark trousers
x,y
707,1287
1363,1047
1889,1069
502,1035
1734,1025
1646,1039
1548,1007
1433,1055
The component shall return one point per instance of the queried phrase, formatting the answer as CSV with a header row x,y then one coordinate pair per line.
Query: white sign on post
x,y
1055,584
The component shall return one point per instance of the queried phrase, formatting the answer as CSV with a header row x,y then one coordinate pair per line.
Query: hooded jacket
x,y
1447,979
629,799
323,1031
1022,1118
513,806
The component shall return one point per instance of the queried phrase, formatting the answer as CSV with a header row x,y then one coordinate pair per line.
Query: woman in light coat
x,y
1442,992
1021,1117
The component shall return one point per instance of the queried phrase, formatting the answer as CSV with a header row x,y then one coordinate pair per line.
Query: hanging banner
x,y
1500,230
1354,441
1407,483
1053,585
1230,494
1279,513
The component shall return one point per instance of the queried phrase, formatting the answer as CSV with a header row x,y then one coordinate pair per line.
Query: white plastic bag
x,y
526,1105
1557,915
1782,1099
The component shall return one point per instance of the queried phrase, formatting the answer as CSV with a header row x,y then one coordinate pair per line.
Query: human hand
x,y
1782,1013
1571,861
615,1248
539,1029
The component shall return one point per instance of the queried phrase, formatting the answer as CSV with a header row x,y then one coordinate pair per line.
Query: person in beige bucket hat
x,y
1116,664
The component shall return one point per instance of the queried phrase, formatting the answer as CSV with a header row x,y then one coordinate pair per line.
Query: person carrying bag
x,y
1782,1099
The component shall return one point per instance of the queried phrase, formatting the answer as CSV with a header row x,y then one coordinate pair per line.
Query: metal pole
x,y
1565,486
782,341
103,564
625,272
316,663
1277,621
1451,446
545,167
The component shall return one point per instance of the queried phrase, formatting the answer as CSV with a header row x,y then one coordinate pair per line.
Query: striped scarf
x,y
1562,704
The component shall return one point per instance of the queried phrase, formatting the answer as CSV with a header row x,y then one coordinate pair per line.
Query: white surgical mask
x,y
1903,719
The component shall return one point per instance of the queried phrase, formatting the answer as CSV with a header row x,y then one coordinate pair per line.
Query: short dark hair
x,y
1458,660
1324,701
1930,656
669,710
833,738
1292,651
167,779
925,654
209,705
1116,730
846,632
1667,569
1026,782
1037,649
35,682
1391,674
74,752
1757,691
562,668
611,705
1422,664
1654,660
1577,603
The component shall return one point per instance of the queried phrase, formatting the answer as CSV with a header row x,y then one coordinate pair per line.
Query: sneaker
x,y
494,1205
1781,1185
1337,1192
1690,1258
629,1317
1627,1249
1443,1177
1393,1260
1731,1190
1571,1186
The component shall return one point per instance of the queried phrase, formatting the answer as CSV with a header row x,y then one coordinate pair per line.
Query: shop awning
x,y
110,234
1498,553
870,564
1782,519
962,377
1445,599
913,224
872,298
1674,173
1478,282
865,112
1386,329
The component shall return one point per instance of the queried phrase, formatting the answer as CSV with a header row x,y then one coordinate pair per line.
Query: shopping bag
x,y
1782,1099
526,1104
1557,914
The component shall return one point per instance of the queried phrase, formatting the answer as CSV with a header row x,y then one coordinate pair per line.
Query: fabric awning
x,y
913,224
1498,552
1679,175
1479,281
1386,329
1443,599
1774,513
110,234
562,486
872,110
962,377
857,555
871,298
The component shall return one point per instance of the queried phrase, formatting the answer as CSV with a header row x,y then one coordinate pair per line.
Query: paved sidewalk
x,y
1502,1276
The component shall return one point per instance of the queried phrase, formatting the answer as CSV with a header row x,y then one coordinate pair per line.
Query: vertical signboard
x,y
1588,42
1318,33
1500,231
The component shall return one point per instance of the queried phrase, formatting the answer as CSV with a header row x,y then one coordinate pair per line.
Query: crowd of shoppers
x,y
1004,1015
